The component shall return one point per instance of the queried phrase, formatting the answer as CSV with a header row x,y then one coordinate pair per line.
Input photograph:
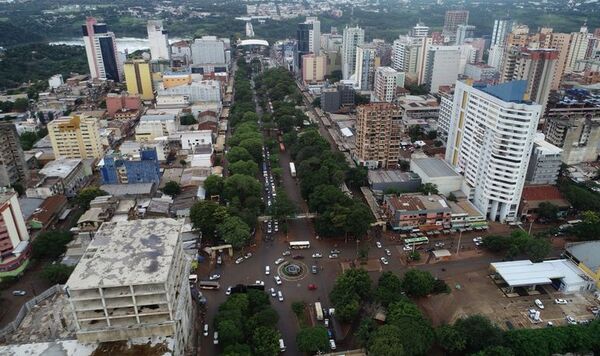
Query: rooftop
x,y
512,91
119,190
547,147
526,273
417,202
49,208
164,117
541,192
61,167
390,176
587,253
435,167
128,253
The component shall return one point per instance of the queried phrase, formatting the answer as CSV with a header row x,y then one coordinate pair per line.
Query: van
x,y
281,345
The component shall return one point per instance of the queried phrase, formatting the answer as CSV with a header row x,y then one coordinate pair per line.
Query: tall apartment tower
x,y
101,51
308,36
378,132
501,29
537,66
13,168
208,50
159,40
490,139
419,30
578,48
314,68
444,64
351,38
387,80
14,237
138,77
463,32
452,19
366,63
75,136
409,55
132,282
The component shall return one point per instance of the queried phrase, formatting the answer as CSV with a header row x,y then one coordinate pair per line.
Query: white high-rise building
x,y
495,55
444,64
101,51
409,54
491,134
314,35
387,80
463,32
352,37
366,62
419,30
159,40
501,29
208,50
577,48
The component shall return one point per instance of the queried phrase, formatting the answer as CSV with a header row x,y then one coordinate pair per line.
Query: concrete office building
x,y
138,78
120,169
14,237
75,136
409,54
445,114
452,20
366,63
387,80
63,176
132,282
501,29
578,48
439,172
495,56
158,39
444,64
490,139
333,99
208,50
378,132
308,37
314,68
13,168
101,51
537,66
463,32
574,125
151,127
480,72
352,38
545,162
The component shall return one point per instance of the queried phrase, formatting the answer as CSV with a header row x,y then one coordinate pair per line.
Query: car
x,y
439,244
298,257
19,293
571,320
329,333
388,252
286,253
259,283
332,344
214,277
219,260
595,310
279,260
280,296
378,244
275,194
228,291
276,228
269,202
384,260
269,230
550,324
478,239
560,301
205,330
539,303
317,255
312,286
239,260
267,270
273,293
277,280
314,269
216,338
334,252
326,322
333,255
407,248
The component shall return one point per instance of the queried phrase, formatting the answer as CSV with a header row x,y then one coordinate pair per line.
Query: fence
x,y
14,325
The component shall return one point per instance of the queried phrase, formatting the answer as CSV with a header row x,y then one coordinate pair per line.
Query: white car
x,y
205,329
216,338
560,301
378,244
273,293
571,320
478,239
332,344
267,270
388,252
384,260
317,255
286,253
279,260
259,283
407,248
228,291
333,255
280,296
214,277
539,303
277,280
239,260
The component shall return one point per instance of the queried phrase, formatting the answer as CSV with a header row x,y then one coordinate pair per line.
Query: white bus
x,y
299,245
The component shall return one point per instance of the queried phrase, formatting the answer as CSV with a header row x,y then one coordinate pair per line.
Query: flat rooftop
x,y
390,176
586,252
435,167
61,167
128,253
526,273
119,190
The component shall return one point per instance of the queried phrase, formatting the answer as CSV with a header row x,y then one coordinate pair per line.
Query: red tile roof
x,y
541,193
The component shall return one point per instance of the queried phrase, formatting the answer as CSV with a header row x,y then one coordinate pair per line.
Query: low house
x,y
44,217
408,212
534,195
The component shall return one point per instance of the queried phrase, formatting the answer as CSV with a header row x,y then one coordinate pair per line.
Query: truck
x,y
319,311
292,169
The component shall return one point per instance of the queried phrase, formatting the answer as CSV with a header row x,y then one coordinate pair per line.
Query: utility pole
x,y
459,238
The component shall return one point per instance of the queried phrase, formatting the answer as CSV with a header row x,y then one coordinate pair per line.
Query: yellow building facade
x,y
175,79
586,255
138,77
75,136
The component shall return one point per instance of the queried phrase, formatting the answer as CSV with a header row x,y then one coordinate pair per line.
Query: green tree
x,y
21,105
254,147
537,249
266,341
206,215
50,244
450,339
27,139
415,132
214,185
389,289
283,208
57,273
241,187
238,154
237,350
172,188
418,283
365,331
387,341
429,188
312,340
547,211
234,231
589,228
188,119
19,188
356,177
452,197
229,332
324,196
86,195
249,168
479,332
298,308
495,351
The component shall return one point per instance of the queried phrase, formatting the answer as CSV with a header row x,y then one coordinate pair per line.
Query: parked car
x,y
333,255
239,260
267,270
216,338
317,255
384,260
314,269
277,280
286,253
334,252
378,244
273,293
219,260
332,344
259,283
312,286
279,260
228,291
571,320
406,248
19,293
539,303
388,252
205,330
560,301
214,277
280,296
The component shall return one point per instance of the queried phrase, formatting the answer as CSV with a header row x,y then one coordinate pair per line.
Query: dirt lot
x,y
475,293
